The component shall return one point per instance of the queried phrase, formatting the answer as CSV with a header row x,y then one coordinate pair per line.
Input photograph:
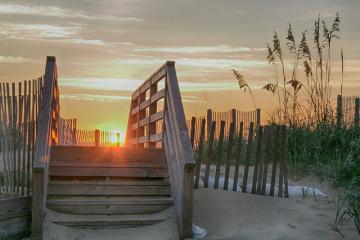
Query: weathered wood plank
x,y
75,153
248,156
112,163
200,153
41,155
238,156
134,206
268,137
284,156
257,159
157,96
209,154
275,159
108,172
108,190
219,154
281,170
179,152
11,204
156,137
116,182
228,155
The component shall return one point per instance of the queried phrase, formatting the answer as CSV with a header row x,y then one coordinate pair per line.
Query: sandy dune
x,y
233,215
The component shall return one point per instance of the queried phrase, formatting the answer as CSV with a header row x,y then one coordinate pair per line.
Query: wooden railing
x,y
157,119
47,135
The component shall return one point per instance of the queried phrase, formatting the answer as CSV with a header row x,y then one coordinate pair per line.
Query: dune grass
x,y
333,154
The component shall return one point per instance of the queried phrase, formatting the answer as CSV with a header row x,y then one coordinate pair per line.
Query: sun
x,y
117,137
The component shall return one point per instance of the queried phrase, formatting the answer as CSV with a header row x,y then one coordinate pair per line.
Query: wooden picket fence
x,y
348,110
19,107
232,116
69,135
256,163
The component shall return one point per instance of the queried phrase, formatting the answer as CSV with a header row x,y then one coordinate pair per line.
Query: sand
x,y
233,215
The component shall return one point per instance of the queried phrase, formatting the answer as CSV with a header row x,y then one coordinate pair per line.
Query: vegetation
x,y
317,144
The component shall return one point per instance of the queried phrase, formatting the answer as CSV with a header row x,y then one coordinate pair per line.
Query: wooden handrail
x,y
172,133
47,135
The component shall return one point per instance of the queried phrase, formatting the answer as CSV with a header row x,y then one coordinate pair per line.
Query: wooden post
x,y
357,111
284,156
209,154
38,203
268,136
200,153
209,121
219,154
276,156
74,143
258,117
233,118
238,156
152,110
118,139
188,199
257,159
192,131
97,137
228,155
339,111
248,156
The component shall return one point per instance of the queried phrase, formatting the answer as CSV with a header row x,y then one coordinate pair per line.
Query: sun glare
x,y
117,136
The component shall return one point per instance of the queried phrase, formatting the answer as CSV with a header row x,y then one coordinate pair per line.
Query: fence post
x,y
233,118
339,111
208,122
258,117
118,139
357,111
97,137
192,131
74,141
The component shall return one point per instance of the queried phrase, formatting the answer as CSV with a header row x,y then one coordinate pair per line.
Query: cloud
x,y
199,62
94,97
129,85
97,42
66,34
100,83
10,59
37,31
209,49
38,10
54,11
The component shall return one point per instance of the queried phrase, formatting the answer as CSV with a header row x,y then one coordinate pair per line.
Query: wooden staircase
x,y
98,187
108,187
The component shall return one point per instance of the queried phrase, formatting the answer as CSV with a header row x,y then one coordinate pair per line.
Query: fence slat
x,y
238,156
19,129
281,173
268,135
200,153
229,154
219,154
275,158
248,156
257,159
284,160
209,154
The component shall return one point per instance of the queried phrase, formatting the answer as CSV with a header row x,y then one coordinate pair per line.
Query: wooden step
x,y
109,205
106,154
104,188
109,221
108,172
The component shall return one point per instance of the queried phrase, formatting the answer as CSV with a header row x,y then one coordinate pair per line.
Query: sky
x,y
106,48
